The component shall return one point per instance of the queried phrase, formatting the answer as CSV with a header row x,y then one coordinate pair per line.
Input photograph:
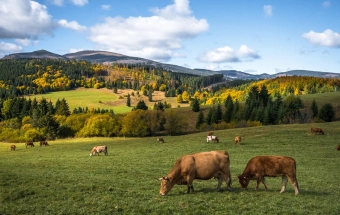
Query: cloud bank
x,y
157,37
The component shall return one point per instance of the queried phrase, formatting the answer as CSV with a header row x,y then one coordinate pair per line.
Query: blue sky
x,y
251,36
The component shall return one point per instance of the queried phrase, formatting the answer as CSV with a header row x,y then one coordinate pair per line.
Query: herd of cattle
x,y
216,164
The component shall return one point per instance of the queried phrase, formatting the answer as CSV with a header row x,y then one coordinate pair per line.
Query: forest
x,y
228,105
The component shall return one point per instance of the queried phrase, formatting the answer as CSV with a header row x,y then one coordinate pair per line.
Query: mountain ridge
x,y
111,57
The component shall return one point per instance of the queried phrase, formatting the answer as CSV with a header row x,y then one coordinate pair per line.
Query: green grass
x,y
85,97
63,179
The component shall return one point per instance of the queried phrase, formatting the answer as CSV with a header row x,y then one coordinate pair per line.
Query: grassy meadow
x,y
63,179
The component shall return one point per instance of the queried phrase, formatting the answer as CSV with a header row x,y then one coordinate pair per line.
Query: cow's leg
x,y
220,180
284,183
295,184
264,183
227,178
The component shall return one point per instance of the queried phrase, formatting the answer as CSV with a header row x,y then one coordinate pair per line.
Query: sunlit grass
x,y
63,179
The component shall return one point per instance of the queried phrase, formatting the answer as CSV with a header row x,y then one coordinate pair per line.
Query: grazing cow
x,y
44,143
13,147
238,140
210,133
99,149
271,166
203,165
212,138
317,131
160,139
338,147
29,143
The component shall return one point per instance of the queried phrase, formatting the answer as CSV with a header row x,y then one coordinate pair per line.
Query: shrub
x,y
327,112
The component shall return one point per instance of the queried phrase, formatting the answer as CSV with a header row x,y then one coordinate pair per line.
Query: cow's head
x,y
244,181
166,185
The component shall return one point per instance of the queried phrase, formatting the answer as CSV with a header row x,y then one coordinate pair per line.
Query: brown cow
x,y
99,149
44,143
13,147
210,133
317,131
160,139
271,166
203,165
238,140
338,147
29,143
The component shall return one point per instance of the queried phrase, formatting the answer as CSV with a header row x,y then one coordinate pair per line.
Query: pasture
x,y
63,179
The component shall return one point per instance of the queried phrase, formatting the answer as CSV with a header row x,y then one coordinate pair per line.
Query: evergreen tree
x,y
49,126
62,108
209,116
128,101
195,105
200,119
314,109
327,112
219,113
141,105
150,95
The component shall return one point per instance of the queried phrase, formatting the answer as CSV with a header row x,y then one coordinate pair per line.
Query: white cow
x,y
212,138
98,149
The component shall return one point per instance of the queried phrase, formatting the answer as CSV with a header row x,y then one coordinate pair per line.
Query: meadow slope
x,y
63,179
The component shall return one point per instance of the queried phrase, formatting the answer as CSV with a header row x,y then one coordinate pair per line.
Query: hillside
x,y
110,57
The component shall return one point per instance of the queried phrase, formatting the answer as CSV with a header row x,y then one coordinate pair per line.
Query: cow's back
x,y
271,165
208,164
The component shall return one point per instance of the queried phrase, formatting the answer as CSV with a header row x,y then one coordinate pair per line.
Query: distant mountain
x,y
111,57
36,54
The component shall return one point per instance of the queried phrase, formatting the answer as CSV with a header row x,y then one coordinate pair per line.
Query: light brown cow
x,y
271,166
44,143
29,143
13,147
238,140
203,165
160,139
317,131
99,149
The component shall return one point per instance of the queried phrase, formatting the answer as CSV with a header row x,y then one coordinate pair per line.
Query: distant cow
x,y
29,143
271,166
212,138
160,139
203,165
44,143
237,140
338,147
99,149
13,147
317,131
210,133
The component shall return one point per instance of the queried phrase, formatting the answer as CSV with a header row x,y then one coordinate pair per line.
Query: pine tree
x,y
128,101
314,109
196,105
200,119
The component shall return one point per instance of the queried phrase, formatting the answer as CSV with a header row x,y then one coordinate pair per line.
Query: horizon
x,y
252,37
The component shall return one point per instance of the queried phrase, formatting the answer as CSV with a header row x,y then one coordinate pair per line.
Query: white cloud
x,y
57,2
24,42
327,38
326,4
105,7
268,10
227,55
79,2
74,50
6,48
24,19
71,25
157,37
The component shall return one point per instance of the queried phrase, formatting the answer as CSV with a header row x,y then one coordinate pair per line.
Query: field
x,y
63,179
105,99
